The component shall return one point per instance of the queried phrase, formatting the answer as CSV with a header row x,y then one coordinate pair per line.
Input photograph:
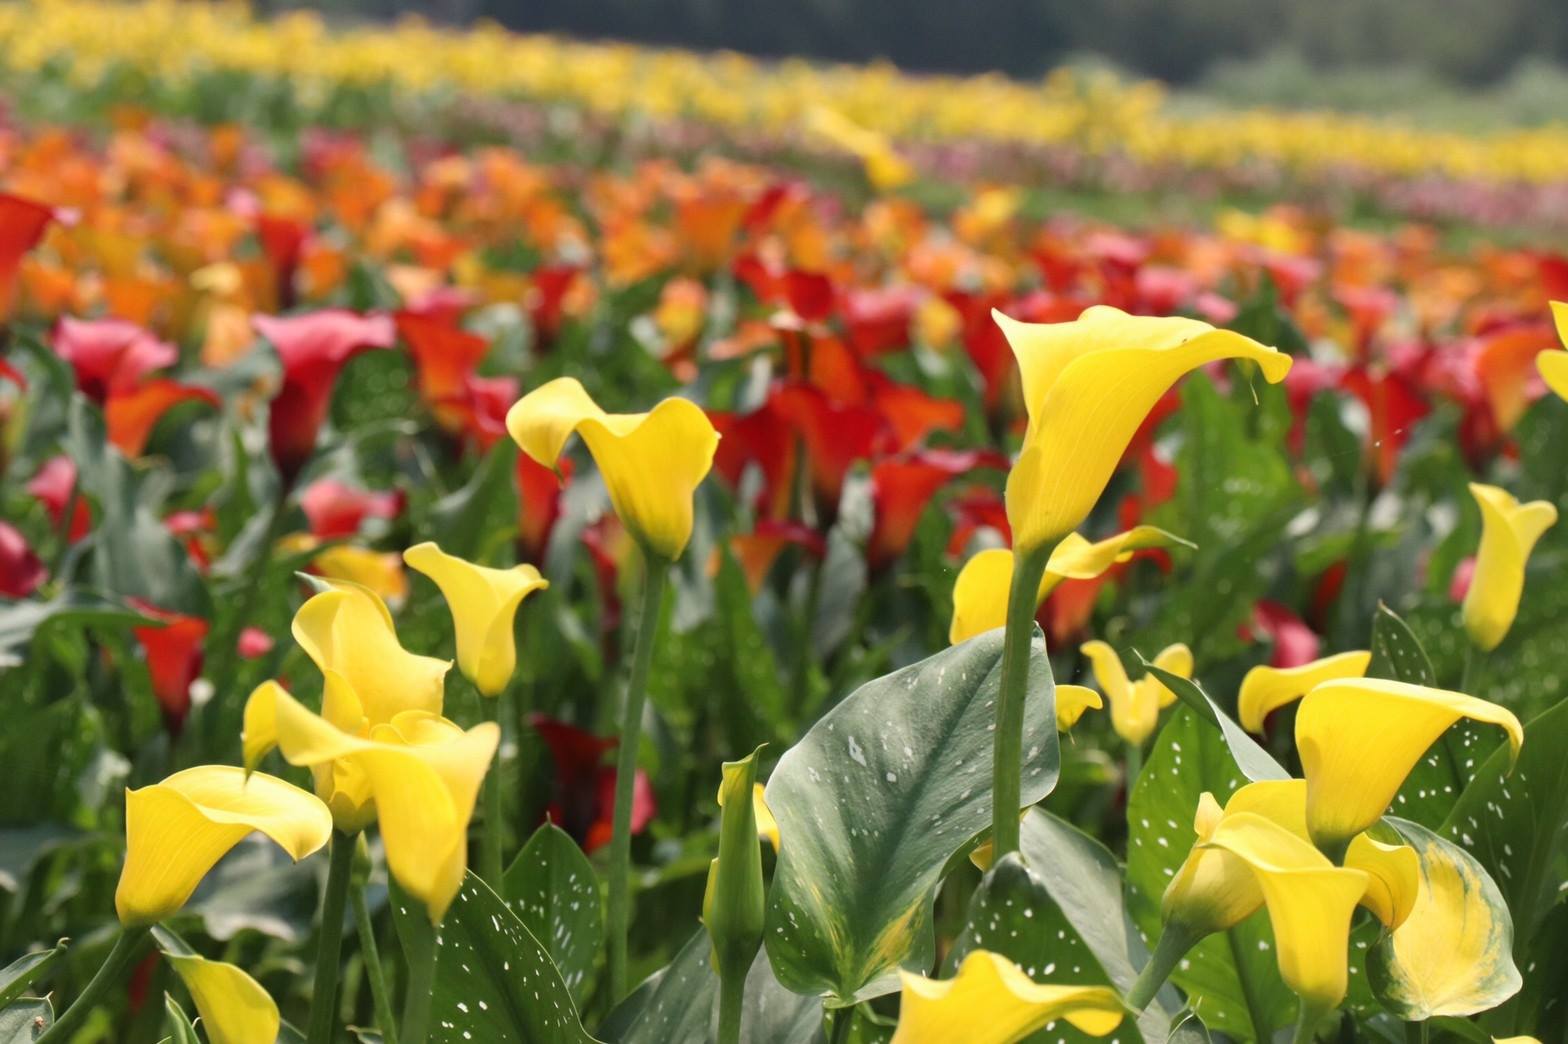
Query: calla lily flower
x,y
901,487
483,602
981,590
1309,900
234,1007
109,356
1071,702
335,509
1265,689
174,659
651,462
1360,738
380,572
22,225
422,771
1136,706
992,1001
342,784
348,631
1554,364
1509,531
885,168
21,570
1087,386
175,831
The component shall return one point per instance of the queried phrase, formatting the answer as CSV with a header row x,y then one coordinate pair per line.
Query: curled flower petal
x,y
1265,689
992,1001
234,1007
1071,702
483,602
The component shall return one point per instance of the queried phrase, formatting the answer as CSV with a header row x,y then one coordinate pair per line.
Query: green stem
x,y
1134,765
732,999
1307,1023
419,947
490,852
655,574
323,999
1175,941
127,948
841,1019
373,970
1007,766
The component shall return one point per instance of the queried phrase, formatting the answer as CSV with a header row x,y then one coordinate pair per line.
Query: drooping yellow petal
x,y
176,830
1071,702
1310,902
767,826
1359,739
233,1006
1265,689
259,725
348,630
1173,659
1135,707
651,462
1088,385
992,1001
1509,531
483,602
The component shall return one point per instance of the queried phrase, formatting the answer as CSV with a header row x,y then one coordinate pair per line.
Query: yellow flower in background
x,y
981,590
1265,689
1087,386
885,168
234,1007
378,571
1136,706
1554,364
992,1001
1309,900
1359,739
348,630
1509,531
1071,702
423,773
175,831
651,462
483,602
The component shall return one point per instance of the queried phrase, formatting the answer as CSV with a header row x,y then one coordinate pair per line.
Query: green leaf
x,y
20,620
177,1022
1253,761
467,517
1232,979
552,888
25,1021
680,1003
1472,970
1396,652
27,969
877,797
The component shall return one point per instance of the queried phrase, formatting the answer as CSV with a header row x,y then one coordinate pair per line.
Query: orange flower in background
x,y
902,487
22,225
173,649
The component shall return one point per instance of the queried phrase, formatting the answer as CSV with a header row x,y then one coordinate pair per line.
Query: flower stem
x,y
127,948
1174,943
655,574
419,947
1307,1023
732,999
1133,766
373,970
490,851
1006,785
323,999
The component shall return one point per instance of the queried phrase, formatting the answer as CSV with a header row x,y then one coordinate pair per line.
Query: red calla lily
x,y
582,801
52,485
174,659
22,225
21,571
335,509
109,355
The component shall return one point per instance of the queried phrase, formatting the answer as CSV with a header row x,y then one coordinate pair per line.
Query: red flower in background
x,y
195,530
538,505
755,552
336,509
445,358
582,800
174,659
130,416
1394,406
254,643
283,241
1294,642
313,348
22,225
109,355
902,486
547,299
21,571
52,485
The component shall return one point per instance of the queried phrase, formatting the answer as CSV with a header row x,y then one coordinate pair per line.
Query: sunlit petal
x,y
1265,689
1509,531
991,1001
233,1006
483,602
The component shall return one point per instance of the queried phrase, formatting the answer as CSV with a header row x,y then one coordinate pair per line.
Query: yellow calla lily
x,y
885,168
767,826
1071,702
1265,689
1136,706
1087,385
1310,902
378,571
1509,531
483,602
1554,364
1359,739
651,462
992,1001
342,784
233,1006
348,631
1515,1040
423,773
175,831
981,590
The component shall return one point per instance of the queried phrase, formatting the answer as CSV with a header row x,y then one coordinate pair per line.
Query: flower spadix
x,y
651,462
1087,385
1136,705
1359,739
175,831
1265,689
483,602
1509,531
981,590
992,1001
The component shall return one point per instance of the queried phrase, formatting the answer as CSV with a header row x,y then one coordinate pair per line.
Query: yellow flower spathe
x,y
1554,364
1136,706
1265,689
651,462
234,1007
175,831
1359,739
980,593
483,602
1071,702
1087,385
341,784
1509,531
992,1001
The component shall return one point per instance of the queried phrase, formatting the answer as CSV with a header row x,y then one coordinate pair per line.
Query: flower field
x,y
504,539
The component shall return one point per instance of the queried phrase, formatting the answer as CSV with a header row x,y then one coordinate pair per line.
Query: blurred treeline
x,y
1468,42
